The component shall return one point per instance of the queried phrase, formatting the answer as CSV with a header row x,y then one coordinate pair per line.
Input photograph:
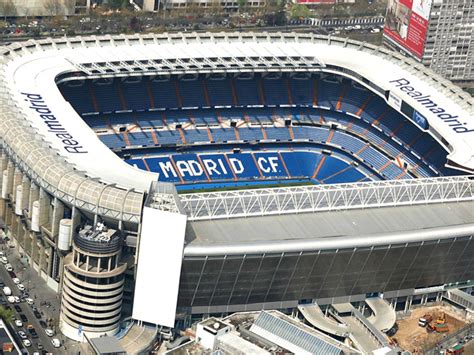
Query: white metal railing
x,y
286,200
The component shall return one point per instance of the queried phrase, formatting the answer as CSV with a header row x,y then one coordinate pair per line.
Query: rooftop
x,y
328,230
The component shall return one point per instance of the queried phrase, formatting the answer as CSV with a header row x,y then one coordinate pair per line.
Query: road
x,y
28,312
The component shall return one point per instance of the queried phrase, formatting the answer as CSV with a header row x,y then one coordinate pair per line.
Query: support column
x,y
7,182
17,179
34,196
3,167
44,202
58,214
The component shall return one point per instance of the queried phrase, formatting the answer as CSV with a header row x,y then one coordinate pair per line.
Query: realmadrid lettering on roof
x,y
52,123
425,100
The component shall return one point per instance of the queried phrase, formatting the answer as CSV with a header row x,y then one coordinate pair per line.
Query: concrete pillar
x,y
34,196
7,182
407,303
22,196
17,179
3,167
58,214
44,202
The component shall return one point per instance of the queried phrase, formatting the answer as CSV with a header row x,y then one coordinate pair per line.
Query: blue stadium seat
x,y
281,133
354,98
78,97
247,92
302,91
192,93
107,97
113,141
250,133
276,91
220,92
328,93
136,96
164,94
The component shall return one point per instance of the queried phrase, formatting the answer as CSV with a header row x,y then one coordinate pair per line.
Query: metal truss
x,y
275,201
199,65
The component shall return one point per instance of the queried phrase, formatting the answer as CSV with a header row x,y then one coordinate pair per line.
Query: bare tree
x,y
7,8
54,7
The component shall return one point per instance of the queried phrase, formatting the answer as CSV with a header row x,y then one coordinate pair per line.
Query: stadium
x,y
193,174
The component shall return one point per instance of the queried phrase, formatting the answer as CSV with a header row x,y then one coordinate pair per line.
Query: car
x,y
40,346
17,308
7,291
17,299
16,280
4,260
21,287
37,314
8,267
30,301
22,334
2,301
55,342
12,274
23,318
43,324
18,323
11,299
26,343
49,332
33,333
2,284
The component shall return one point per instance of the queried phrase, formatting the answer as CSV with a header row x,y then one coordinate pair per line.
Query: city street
x,y
33,287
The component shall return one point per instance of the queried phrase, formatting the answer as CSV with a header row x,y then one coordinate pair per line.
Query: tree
x,y
54,7
6,314
7,8
300,11
242,5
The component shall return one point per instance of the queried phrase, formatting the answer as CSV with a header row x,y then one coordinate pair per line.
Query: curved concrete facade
x,y
92,293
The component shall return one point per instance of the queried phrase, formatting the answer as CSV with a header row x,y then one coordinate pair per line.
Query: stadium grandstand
x,y
166,177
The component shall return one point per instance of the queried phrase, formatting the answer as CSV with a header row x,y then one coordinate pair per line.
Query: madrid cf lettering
x,y
191,167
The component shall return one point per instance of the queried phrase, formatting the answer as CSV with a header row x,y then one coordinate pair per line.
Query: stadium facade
x,y
104,138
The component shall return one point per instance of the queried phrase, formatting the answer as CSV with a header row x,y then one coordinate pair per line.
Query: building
x,y
126,164
8,343
436,32
260,333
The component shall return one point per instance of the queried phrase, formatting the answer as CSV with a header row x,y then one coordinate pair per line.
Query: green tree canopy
x,y
300,10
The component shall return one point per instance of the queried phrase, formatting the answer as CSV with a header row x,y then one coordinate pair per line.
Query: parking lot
x,y
31,323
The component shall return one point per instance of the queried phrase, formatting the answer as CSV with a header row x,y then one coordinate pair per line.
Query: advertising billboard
x,y
406,24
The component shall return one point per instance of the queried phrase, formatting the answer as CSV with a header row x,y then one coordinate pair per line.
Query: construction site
x,y
427,326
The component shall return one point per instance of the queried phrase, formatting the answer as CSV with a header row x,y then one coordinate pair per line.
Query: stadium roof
x,y
84,171
330,230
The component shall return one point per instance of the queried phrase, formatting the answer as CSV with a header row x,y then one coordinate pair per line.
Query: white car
x,y
55,342
4,260
8,267
49,332
29,300
27,343
11,299
18,323
16,280
21,287
17,299
22,334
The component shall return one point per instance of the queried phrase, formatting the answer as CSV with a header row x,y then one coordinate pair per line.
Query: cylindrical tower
x,y
93,284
